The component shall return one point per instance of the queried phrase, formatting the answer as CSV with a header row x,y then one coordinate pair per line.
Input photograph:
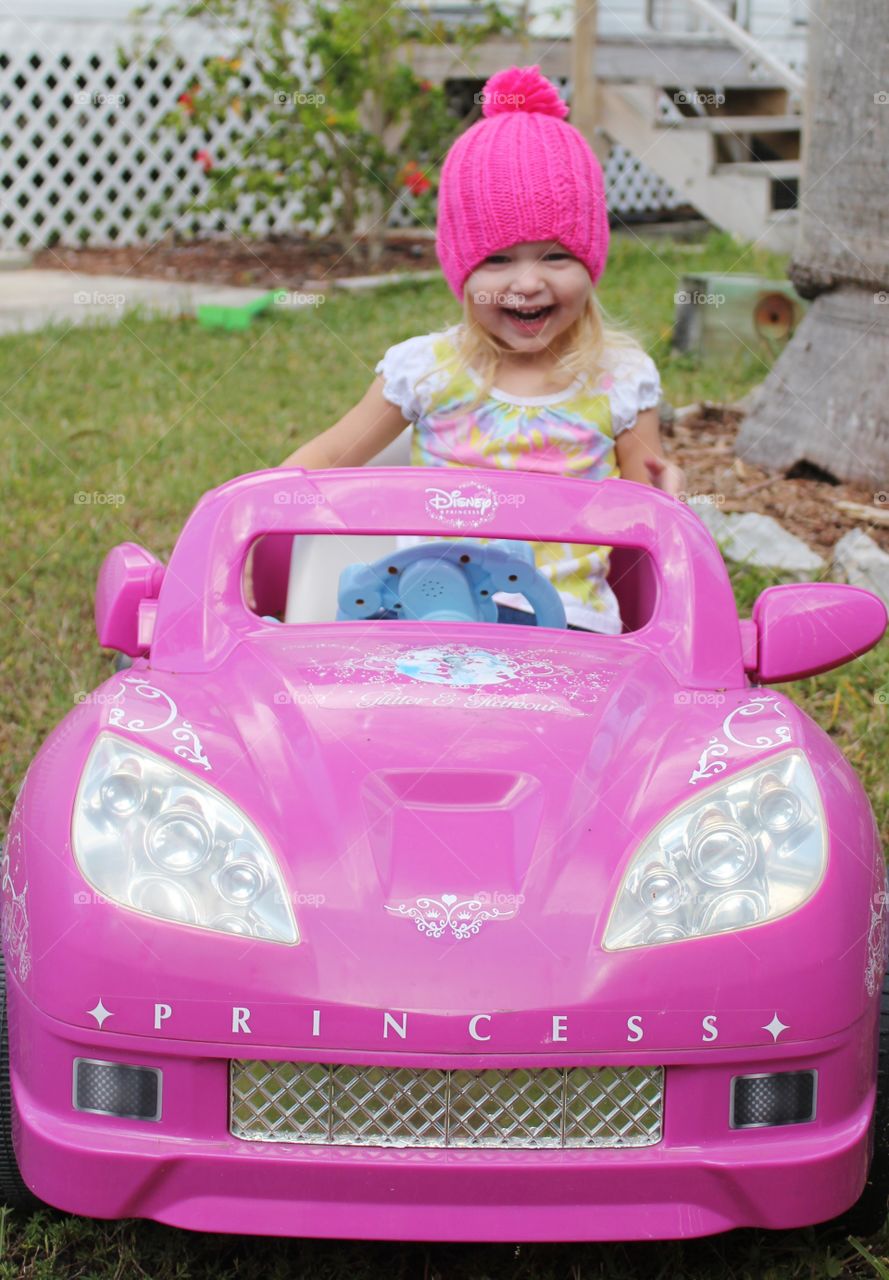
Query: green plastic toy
x,y
233,319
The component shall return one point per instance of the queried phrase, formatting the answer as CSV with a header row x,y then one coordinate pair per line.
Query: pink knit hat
x,y
522,173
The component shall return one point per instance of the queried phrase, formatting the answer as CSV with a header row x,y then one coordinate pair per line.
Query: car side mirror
x,y
126,594
801,629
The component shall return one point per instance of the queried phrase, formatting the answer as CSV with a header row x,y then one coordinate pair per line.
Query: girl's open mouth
x,y
528,319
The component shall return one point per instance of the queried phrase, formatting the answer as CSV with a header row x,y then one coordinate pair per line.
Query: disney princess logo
x,y
467,505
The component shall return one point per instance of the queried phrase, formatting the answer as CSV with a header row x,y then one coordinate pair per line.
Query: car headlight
x,y
155,839
747,851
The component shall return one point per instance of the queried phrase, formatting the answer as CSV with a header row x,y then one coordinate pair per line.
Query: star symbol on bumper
x,y
776,1026
100,1013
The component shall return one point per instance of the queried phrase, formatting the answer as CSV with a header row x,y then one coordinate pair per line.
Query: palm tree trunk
x,y
826,400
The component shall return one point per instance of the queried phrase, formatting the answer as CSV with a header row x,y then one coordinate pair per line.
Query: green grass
x,y
52,1246
154,412
637,290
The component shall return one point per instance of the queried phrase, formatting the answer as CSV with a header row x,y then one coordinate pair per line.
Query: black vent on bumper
x,y
787,1097
114,1089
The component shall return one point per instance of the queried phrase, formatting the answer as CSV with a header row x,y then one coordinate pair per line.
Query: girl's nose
x,y
526,278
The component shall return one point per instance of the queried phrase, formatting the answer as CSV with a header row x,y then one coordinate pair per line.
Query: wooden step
x,y
734,124
653,59
780,170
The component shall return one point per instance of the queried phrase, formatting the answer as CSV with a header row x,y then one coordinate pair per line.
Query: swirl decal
x,y
462,918
184,734
765,733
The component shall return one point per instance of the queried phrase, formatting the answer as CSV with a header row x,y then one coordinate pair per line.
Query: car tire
x,y
13,1192
868,1214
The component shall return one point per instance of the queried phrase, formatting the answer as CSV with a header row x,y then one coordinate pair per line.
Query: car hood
x,y
423,796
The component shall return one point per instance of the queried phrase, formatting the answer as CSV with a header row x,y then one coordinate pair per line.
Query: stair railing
x,y
740,38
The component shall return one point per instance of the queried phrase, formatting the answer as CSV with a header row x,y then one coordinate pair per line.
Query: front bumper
x,y
187,1170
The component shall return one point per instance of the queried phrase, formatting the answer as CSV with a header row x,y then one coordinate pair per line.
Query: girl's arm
x,y
640,457
359,435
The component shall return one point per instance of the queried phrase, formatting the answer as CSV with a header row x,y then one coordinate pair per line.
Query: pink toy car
x,y
399,922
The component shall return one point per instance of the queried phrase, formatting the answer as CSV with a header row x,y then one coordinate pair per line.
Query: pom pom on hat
x,y
522,173
522,89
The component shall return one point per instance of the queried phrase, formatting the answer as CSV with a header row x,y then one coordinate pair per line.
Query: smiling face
x,y
528,295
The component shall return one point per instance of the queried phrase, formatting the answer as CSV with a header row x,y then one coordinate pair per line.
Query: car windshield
x,y
388,577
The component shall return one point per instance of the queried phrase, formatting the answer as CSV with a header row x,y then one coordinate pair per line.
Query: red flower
x,y
204,159
186,102
424,86
412,178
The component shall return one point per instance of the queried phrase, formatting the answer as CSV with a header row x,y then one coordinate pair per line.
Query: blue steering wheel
x,y
449,582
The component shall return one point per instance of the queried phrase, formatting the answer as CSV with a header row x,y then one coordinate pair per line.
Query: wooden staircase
x,y
731,152
731,144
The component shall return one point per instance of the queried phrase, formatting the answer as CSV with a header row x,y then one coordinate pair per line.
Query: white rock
x,y
751,538
859,561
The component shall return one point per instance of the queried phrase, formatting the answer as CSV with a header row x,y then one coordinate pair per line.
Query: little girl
x,y
531,378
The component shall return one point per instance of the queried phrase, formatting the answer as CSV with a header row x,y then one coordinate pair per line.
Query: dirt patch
x,y
284,262
703,443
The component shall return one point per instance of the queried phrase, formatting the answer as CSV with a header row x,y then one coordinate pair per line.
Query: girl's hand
x,y
639,456
665,476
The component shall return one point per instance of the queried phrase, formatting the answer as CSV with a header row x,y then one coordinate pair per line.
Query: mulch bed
x,y
284,262
280,261
702,443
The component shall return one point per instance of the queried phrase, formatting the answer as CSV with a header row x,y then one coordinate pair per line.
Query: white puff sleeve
x,y
636,386
401,367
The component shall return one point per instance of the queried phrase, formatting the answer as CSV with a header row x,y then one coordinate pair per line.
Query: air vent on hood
x,y
466,788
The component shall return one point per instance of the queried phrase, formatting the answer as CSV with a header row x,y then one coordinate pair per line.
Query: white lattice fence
x,y
86,158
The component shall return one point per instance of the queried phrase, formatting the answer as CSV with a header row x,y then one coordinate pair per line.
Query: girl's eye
x,y
558,255
496,259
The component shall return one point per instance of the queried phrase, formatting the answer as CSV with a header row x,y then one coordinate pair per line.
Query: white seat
x,y
318,559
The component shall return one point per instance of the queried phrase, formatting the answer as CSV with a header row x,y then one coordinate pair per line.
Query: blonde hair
x,y
580,350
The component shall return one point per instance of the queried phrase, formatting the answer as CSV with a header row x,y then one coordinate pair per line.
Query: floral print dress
x,y
570,433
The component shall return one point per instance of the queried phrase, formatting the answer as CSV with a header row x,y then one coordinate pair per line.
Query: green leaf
x,y
879,1267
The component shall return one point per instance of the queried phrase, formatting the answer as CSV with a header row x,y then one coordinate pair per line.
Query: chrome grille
x,y
408,1107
